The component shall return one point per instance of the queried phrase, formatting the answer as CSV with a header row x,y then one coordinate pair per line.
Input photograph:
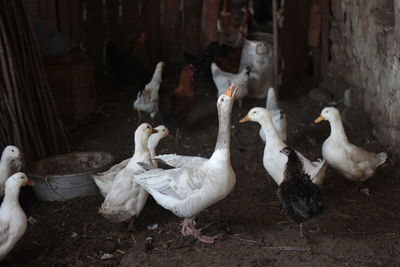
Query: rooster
x,y
147,100
223,80
181,101
300,196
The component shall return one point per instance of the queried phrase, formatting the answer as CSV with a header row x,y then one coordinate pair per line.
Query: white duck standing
x,y
126,198
278,115
353,162
274,161
10,163
105,179
13,222
188,190
148,99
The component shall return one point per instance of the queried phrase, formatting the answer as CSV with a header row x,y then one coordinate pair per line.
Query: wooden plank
x,y
70,19
294,39
325,32
95,33
192,12
131,24
210,13
171,45
150,19
113,24
46,10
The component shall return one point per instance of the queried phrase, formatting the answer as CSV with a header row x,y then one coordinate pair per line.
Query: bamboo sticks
x,y
28,115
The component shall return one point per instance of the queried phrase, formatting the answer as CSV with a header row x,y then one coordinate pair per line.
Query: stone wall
x,y
365,52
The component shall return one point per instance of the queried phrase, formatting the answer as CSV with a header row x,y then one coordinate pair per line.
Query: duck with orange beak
x,y
104,180
126,199
190,189
274,161
13,222
353,162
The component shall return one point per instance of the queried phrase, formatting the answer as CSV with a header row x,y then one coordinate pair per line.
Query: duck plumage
x,y
353,162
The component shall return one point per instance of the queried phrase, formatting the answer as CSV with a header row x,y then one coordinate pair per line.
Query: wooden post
x,y
275,43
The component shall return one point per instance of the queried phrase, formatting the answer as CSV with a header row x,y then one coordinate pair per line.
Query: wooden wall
x,y
171,26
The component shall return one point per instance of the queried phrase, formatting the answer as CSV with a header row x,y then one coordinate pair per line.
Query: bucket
x,y
257,53
68,176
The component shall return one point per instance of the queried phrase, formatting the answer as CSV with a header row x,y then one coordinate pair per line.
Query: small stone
x,y
32,220
365,191
107,256
152,226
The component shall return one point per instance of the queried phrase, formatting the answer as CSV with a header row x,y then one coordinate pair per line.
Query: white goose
x,y
105,179
10,163
13,222
274,161
188,190
353,162
278,115
125,197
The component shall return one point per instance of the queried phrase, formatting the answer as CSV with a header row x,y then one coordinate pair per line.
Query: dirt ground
x,y
355,229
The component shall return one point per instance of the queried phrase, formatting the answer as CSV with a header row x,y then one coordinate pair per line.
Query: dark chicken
x,y
181,101
301,198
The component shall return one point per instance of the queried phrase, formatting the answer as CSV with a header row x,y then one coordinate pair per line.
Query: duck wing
x,y
179,161
4,231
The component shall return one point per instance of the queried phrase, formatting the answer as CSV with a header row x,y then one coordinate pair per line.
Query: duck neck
x,y
11,195
152,144
140,148
222,147
337,129
271,135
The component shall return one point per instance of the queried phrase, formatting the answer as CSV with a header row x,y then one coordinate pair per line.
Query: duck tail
x,y
381,158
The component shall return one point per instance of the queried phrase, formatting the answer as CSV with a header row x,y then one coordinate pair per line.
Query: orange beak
x,y
154,131
231,91
319,119
30,182
245,118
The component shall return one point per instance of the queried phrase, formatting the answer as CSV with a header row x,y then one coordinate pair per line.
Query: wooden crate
x,y
71,78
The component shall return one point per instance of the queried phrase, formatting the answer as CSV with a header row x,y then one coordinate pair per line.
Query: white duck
x,y
224,79
125,197
353,162
188,190
278,115
105,179
10,163
13,222
274,161
148,99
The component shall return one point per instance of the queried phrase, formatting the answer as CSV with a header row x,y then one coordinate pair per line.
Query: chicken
x,y
147,100
301,198
181,101
227,58
223,80
129,67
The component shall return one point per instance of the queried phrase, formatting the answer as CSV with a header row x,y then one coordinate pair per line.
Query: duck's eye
x,y
222,100
254,112
148,127
12,150
22,177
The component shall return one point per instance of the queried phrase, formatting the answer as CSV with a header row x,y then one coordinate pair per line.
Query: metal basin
x,y
68,176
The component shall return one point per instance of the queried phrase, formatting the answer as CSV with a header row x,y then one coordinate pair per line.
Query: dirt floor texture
x,y
355,229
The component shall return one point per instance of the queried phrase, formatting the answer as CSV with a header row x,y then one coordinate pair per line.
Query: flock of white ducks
x,y
193,183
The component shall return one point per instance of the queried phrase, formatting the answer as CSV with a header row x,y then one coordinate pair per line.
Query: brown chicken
x,y
181,101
